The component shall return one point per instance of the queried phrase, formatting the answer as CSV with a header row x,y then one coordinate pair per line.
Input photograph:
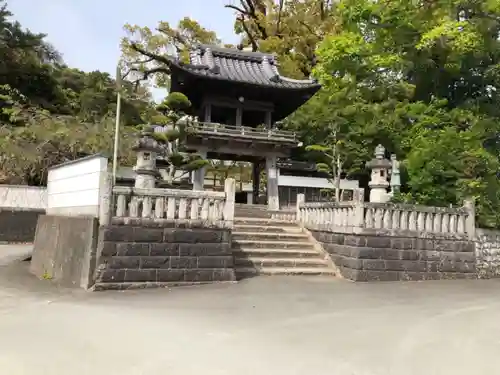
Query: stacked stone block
x,y
152,253
392,258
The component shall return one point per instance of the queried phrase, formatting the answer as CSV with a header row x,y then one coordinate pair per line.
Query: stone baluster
x,y
421,221
345,215
386,221
429,224
134,207
453,224
412,221
461,224
379,218
194,209
182,208
147,207
438,220
445,223
403,221
159,207
369,218
396,219
121,205
171,206
205,208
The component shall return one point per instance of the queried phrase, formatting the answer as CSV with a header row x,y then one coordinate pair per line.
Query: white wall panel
x,y
75,188
78,167
74,199
75,183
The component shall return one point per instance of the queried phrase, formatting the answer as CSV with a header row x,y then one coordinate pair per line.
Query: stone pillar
x,y
230,190
199,175
470,221
395,175
359,210
273,202
301,199
255,181
250,197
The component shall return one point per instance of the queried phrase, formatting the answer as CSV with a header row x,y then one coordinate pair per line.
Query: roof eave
x,y
192,70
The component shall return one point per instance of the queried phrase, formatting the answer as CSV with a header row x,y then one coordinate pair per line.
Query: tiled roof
x,y
241,66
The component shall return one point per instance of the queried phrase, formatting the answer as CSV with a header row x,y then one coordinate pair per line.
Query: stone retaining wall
x,y
18,224
390,257
488,252
64,250
150,253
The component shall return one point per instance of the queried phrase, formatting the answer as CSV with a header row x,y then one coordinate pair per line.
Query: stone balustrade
x,y
358,216
284,215
172,204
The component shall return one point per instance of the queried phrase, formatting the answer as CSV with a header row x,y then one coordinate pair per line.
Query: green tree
x,y
145,52
421,79
172,113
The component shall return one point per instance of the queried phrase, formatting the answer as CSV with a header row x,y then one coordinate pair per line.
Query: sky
x,y
88,32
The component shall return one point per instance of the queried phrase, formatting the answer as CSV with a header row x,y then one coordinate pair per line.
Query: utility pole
x,y
117,122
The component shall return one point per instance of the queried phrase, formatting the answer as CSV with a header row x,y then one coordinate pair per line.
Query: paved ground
x,y
261,326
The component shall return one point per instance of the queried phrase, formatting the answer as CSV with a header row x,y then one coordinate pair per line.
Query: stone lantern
x,y
378,184
147,149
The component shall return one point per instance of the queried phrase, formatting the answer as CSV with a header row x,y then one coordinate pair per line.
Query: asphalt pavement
x,y
264,325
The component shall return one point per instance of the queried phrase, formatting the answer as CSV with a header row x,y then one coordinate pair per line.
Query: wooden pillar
x,y
255,181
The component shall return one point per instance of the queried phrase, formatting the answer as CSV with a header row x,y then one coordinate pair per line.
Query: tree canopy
x,y
49,112
419,77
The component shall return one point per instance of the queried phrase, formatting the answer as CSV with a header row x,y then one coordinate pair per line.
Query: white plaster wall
x,y
74,188
19,196
487,252
315,182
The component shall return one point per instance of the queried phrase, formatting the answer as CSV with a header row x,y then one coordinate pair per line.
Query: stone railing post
x,y
301,199
359,209
106,199
230,190
470,222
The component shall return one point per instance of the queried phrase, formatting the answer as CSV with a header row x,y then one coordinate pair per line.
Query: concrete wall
x,y
403,257
64,250
488,252
149,253
20,207
74,188
18,224
25,197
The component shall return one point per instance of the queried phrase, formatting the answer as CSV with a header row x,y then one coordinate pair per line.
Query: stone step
x,y
308,271
267,262
257,212
275,253
269,228
247,244
265,236
263,222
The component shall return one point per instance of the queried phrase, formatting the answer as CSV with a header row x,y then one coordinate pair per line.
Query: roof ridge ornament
x,y
268,70
209,58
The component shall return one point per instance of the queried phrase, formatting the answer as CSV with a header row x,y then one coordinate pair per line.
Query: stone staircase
x,y
265,246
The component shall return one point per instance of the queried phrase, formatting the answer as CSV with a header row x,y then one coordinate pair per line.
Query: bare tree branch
x,y
154,56
253,42
239,10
